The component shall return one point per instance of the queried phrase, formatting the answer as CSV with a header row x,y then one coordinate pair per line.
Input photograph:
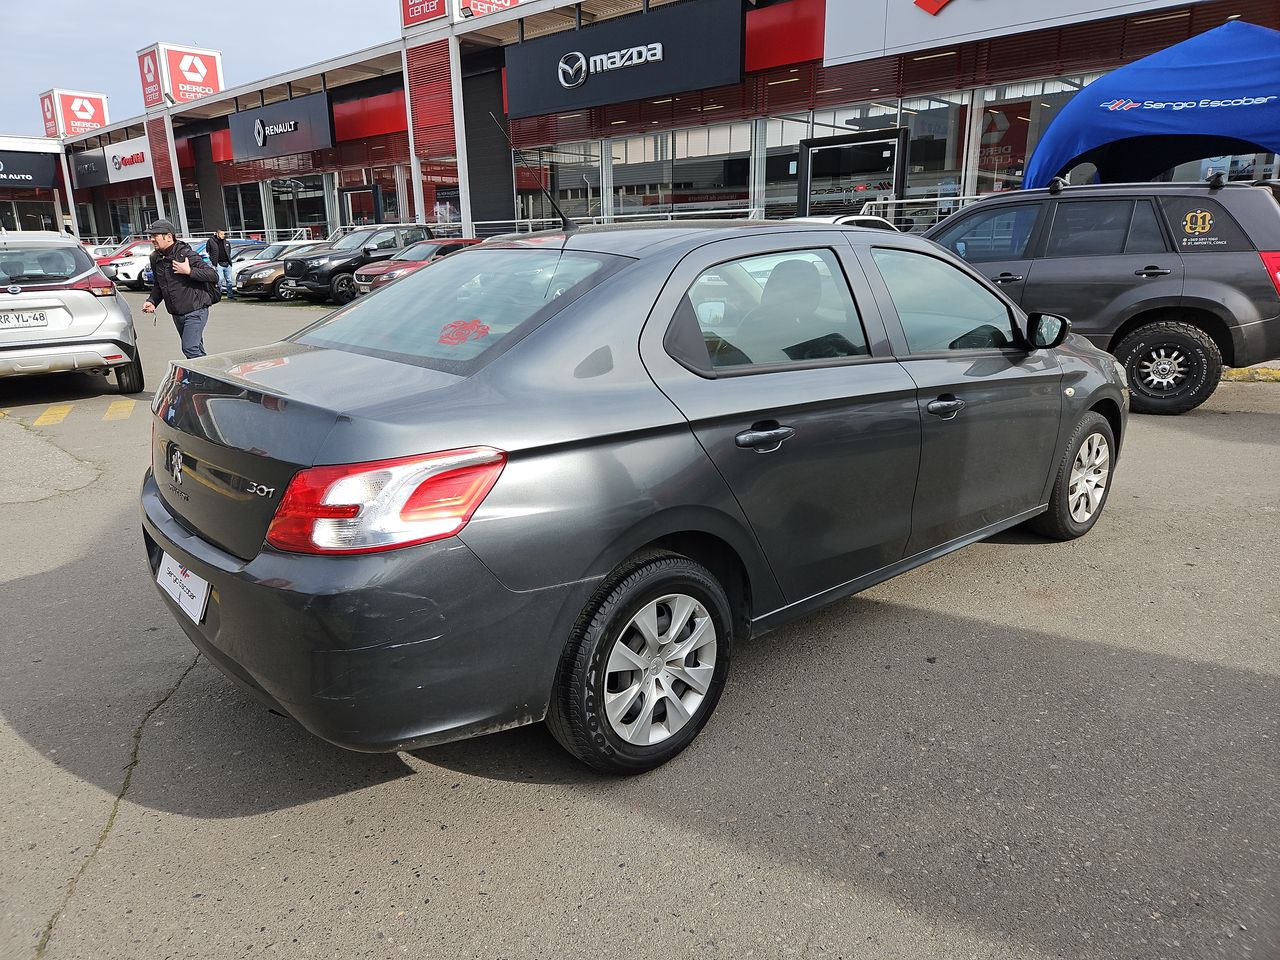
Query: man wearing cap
x,y
184,282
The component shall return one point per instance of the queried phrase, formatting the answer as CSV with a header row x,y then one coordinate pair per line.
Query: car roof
x,y
38,236
644,239
1090,189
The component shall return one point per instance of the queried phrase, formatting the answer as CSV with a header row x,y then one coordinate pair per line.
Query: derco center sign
x,y
686,46
184,73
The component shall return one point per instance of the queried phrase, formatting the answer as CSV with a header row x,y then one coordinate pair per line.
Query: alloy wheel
x,y
1089,475
1163,368
660,669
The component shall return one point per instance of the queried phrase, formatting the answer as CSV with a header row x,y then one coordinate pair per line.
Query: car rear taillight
x,y
383,504
1272,262
96,284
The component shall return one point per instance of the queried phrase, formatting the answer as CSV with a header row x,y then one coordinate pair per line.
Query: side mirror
x,y
1046,330
370,251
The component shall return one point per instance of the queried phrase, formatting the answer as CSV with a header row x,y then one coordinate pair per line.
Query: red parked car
x,y
138,248
415,257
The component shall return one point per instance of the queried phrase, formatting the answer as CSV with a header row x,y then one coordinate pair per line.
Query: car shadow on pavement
x,y
1041,786
58,388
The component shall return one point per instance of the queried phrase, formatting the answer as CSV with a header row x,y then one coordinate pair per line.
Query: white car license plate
x,y
188,591
362,288
24,318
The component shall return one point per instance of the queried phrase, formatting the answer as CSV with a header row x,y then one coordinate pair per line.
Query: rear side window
x,y
775,309
42,263
1001,233
464,310
1145,235
1201,225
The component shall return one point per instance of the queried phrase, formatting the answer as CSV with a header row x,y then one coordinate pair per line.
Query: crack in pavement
x,y
43,945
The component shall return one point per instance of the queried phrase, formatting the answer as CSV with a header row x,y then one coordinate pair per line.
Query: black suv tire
x,y
129,378
1172,367
578,715
342,288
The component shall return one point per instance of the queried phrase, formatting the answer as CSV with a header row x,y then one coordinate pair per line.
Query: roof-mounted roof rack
x,y
1056,185
1216,180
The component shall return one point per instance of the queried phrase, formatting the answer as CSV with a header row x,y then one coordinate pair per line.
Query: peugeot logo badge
x,y
175,462
14,288
573,70
259,132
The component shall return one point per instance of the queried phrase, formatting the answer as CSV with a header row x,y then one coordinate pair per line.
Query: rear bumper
x,y
1257,342
64,357
374,653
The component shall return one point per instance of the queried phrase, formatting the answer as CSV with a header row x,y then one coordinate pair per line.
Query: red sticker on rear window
x,y
460,331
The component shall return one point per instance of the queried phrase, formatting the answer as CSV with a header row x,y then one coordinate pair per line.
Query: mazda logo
x,y
573,70
259,132
175,462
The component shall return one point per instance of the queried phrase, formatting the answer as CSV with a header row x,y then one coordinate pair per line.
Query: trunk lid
x,y
232,430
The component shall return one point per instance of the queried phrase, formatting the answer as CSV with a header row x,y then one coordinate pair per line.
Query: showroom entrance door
x,y
361,205
842,174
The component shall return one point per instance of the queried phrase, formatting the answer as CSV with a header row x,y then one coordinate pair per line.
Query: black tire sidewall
x,y
280,292
666,578
343,288
1198,384
1093,423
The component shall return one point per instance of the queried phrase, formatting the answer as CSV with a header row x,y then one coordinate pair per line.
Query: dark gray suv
x,y
561,477
1175,279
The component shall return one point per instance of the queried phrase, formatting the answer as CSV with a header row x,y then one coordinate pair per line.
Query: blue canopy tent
x,y
1215,94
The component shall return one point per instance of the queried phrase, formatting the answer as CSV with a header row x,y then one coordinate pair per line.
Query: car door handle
x,y
764,437
1007,277
1152,272
946,406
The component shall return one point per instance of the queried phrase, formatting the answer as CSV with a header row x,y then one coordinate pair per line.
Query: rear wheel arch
x,y
1208,321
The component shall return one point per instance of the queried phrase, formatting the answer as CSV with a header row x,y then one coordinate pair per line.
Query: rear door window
x,y
1201,225
1089,228
465,310
1001,233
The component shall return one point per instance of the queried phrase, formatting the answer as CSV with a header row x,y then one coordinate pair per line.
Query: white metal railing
x,y
916,215
265,236
494,228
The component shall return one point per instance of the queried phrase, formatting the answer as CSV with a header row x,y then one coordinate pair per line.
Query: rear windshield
x,y
464,311
41,263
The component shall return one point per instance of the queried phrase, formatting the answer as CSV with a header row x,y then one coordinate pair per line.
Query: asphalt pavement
x,y
1024,750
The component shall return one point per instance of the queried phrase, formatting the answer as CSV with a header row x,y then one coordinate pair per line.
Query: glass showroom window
x,y
642,175
1014,118
570,171
711,169
782,163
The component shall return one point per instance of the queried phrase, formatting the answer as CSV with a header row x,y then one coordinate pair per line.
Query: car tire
x,y
1082,483
590,714
129,378
282,293
1172,367
342,288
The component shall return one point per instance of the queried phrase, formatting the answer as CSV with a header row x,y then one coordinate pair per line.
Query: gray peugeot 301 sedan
x,y
560,478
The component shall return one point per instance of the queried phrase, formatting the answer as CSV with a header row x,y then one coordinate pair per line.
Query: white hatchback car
x,y
60,314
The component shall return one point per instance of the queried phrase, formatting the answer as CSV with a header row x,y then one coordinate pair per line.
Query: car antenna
x,y
567,226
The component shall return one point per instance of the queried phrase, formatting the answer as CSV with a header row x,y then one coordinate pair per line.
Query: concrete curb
x,y
1252,374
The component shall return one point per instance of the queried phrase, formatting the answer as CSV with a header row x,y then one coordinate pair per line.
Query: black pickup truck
x,y
329,274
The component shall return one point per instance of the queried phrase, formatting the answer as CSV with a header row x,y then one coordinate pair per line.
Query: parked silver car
x,y
60,314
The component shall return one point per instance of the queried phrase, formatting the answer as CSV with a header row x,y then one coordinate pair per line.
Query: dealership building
x,y
621,109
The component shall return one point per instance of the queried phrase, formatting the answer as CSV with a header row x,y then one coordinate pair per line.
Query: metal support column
x,y
460,137
606,180
71,196
178,200
415,162
757,190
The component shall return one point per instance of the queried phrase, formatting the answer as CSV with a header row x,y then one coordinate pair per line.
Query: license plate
x,y
188,591
362,288
24,318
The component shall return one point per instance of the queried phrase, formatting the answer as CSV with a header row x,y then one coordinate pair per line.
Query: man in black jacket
x,y
186,284
219,250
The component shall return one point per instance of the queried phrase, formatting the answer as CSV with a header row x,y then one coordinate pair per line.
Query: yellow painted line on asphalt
x,y
1252,374
55,414
119,409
